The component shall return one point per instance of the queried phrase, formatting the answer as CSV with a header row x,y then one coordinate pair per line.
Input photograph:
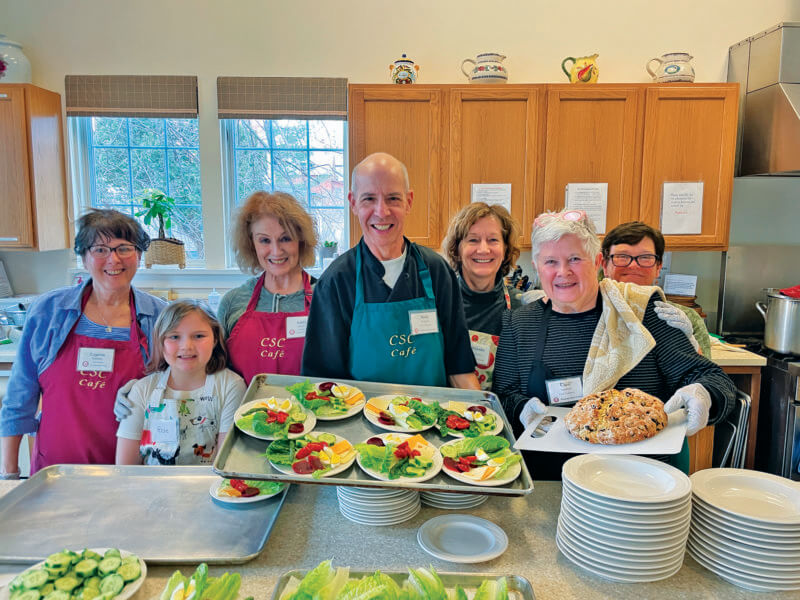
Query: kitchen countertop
x,y
310,529
728,356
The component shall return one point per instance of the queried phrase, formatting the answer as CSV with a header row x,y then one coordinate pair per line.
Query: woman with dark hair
x,y
265,317
481,247
78,347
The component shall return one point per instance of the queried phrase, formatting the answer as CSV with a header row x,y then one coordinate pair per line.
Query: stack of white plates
x,y
374,506
452,501
746,528
624,518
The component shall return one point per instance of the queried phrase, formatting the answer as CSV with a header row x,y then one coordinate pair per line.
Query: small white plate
x,y
372,418
394,437
380,522
498,425
335,471
129,590
352,410
511,474
217,485
622,477
308,424
462,538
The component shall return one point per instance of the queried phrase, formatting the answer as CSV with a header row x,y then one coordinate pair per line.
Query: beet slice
x,y
376,441
296,428
478,408
325,386
250,491
449,463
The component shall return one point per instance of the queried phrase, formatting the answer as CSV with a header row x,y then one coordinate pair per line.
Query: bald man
x,y
388,310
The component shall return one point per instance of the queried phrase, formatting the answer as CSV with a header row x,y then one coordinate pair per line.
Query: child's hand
x,y
123,407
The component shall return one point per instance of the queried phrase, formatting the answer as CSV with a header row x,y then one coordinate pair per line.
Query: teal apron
x,y
381,345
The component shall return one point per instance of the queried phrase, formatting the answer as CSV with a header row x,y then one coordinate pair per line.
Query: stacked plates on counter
x,y
375,506
452,501
624,518
746,528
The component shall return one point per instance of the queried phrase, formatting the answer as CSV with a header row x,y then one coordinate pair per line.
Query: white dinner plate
x,y
623,477
619,556
373,418
396,438
129,590
786,545
462,538
353,409
334,471
761,497
627,517
627,529
644,508
510,475
747,567
382,521
383,507
754,527
655,550
737,577
435,504
218,484
615,536
389,514
623,568
308,424
498,423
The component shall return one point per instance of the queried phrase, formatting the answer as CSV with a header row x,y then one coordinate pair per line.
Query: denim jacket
x,y
49,320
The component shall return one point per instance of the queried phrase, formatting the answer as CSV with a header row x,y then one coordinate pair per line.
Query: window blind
x,y
282,98
140,96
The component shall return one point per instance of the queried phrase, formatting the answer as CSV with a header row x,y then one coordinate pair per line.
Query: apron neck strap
x,y
253,303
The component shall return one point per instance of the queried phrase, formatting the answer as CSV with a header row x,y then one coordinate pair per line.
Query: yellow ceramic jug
x,y
584,69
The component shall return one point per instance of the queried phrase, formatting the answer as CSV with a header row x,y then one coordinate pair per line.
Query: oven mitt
x,y
532,296
697,402
123,406
675,317
533,408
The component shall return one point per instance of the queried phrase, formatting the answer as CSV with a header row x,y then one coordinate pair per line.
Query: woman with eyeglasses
x,y
590,336
78,347
634,252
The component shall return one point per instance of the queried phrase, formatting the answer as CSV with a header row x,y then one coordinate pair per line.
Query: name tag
x,y
481,353
564,391
95,359
164,431
296,327
423,321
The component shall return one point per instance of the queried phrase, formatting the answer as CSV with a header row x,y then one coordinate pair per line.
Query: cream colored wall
x,y
357,40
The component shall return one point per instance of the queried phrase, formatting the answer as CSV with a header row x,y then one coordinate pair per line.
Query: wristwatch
x,y
14,475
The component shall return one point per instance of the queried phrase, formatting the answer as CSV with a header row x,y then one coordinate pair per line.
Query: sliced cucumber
x,y
88,593
57,595
109,564
112,552
327,437
67,583
86,567
112,584
92,554
29,595
130,558
93,582
59,560
46,588
34,579
129,571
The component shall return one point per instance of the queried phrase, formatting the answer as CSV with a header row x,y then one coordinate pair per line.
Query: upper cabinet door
x,y
16,224
406,122
690,136
495,137
594,136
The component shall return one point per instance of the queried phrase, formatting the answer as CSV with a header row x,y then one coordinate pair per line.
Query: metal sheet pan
x,y
165,515
242,456
519,588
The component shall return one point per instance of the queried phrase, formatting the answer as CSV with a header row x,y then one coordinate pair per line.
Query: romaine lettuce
x,y
468,446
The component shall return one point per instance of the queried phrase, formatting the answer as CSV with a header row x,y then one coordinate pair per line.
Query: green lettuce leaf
x,y
300,389
266,487
468,446
314,581
177,579
282,451
427,583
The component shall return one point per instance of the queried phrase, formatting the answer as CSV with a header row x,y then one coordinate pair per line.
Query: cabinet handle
x,y
9,239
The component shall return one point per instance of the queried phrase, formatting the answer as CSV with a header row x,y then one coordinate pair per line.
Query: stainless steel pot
x,y
781,322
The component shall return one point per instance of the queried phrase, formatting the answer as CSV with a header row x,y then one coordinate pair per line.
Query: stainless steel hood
x,y
767,68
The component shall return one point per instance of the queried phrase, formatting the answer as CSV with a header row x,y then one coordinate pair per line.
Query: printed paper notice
x,y
592,198
682,208
492,193
680,285
5,284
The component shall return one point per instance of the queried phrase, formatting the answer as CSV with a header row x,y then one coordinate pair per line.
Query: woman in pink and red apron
x,y
80,344
265,318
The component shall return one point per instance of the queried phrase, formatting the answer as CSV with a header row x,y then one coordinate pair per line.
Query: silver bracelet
x,y
14,475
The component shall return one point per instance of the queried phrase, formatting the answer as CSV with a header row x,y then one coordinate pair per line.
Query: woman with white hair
x,y
591,336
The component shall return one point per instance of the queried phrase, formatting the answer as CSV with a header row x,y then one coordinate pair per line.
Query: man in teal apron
x,y
388,310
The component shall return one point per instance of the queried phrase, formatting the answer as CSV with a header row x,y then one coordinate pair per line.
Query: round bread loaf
x,y
616,417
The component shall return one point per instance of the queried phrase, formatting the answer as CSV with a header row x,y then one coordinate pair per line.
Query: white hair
x,y
551,227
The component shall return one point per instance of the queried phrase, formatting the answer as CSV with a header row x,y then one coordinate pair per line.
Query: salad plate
x,y
270,427
329,400
462,538
329,450
222,489
460,419
127,591
481,461
394,412
396,460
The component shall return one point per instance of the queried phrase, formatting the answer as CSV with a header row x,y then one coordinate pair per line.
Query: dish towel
x,y
620,340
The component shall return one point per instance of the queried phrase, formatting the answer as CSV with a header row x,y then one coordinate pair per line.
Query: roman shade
x,y
142,96
282,98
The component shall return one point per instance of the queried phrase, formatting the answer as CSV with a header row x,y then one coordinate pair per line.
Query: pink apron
x,y
259,342
77,424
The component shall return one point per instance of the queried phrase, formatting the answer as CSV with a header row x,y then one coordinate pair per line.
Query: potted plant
x,y
163,250
328,248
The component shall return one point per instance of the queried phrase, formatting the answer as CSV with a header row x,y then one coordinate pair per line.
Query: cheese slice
x,y
415,442
458,407
376,405
480,473
341,447
354,398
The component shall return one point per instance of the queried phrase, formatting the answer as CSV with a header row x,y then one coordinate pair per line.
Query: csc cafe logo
x,y
405,345
273,347
92,379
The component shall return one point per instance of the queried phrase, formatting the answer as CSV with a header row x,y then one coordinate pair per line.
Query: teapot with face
x,y
584,69
673,66
403,70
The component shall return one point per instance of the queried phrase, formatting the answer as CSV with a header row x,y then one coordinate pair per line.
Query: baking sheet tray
x,y
242,456
165,515
667,441
519,588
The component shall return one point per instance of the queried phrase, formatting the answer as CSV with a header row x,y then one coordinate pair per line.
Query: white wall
x,y
357,40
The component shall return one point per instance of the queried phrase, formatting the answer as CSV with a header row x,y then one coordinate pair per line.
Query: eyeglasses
x,y
643,260
568,215
102,251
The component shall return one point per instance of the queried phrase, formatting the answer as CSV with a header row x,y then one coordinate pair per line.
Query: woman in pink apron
x,y
265,318
79,345
481,246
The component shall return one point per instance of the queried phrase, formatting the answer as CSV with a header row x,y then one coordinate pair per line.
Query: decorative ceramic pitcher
x,y
584,69
403,70
486,68
673,66
16,67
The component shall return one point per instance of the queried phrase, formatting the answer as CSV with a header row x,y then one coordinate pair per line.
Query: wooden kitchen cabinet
x,y
33,199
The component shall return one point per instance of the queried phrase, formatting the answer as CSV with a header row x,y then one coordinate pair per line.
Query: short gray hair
x,y
552,226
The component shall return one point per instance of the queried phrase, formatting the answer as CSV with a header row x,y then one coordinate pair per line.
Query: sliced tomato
x,y
302,452
238,484
282,416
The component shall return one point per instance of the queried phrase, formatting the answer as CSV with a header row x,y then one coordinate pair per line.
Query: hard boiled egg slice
x,y
496,462
481,455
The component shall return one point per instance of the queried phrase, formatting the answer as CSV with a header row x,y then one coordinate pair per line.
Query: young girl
x,y
184,408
